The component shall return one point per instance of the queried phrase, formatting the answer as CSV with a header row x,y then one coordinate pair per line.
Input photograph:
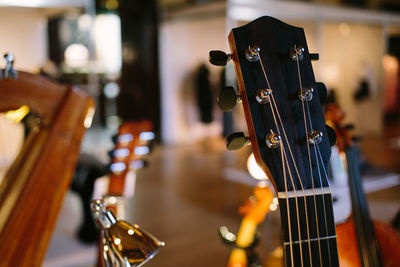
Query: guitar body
x,y
388,240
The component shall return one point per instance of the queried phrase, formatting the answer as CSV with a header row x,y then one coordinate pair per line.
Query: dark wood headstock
x,y
276,41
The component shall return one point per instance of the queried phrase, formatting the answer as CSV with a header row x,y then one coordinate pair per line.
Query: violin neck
x,y
315,242
367,242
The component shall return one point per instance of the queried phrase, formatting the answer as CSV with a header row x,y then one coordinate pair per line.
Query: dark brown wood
x,y
33,189
287,116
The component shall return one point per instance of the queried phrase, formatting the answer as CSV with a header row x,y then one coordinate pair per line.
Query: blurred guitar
x,y
123,244
287,132
254,211
361,240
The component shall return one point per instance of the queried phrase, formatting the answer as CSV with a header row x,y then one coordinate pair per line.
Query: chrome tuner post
x,y
306,94
9,71
297,52
253,53
263,96
315,137
273,140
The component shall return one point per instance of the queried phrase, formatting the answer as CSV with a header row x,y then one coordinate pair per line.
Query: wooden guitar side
x,y
33,189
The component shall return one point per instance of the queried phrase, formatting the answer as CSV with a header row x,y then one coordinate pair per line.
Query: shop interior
x,y
142,69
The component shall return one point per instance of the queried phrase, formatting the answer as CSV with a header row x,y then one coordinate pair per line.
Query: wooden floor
x,y
183,197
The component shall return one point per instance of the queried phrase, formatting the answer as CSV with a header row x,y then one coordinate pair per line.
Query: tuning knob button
x,y
219,58
227,98
237,141
314,56
331,135
322,92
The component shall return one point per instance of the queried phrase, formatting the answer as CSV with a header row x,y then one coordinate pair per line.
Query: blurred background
x,y
149,60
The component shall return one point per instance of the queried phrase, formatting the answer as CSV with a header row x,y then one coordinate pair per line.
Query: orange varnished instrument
x,y
254,211
361,241
128,139
121,243
32,191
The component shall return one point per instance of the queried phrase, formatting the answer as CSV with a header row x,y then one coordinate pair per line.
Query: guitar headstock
x,y
131,144
281,102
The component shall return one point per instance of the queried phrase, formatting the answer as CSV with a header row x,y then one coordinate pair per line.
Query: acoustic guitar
x,y
33,188
361,240
287,132
121,243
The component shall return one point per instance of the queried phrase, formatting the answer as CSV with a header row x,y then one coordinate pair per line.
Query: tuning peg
x,y
236,141
314,56
218,58
322,92
331,135
227,98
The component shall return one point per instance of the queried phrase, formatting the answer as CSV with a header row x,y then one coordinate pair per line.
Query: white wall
x,y
184,44
23,32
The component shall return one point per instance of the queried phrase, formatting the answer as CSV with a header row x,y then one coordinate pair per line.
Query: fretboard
x,y
308,228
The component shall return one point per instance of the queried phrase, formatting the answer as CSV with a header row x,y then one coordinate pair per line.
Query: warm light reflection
x,y
105,248
130,232
107,36
112,200
117,241
89,118
18,114
254,169
76,55
273,207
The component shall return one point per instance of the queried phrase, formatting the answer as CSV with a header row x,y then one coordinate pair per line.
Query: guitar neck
x,y
367,242
315,242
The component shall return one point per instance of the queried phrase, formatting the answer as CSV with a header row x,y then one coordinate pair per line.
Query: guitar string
x,y
309,155
287,208
285,182
285,161
293,184
295,166
323,204
320,181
